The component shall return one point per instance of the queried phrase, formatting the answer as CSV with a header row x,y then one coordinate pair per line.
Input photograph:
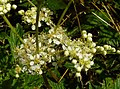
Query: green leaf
x,y
117,84
3,35
56,4
69,65
90,86
32,81
13,39
56,85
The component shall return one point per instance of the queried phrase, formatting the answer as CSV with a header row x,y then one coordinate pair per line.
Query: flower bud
x,y
84,35
106,47
5,11
17,75
89,35
93,44
101,49
89,39
104,52
118,51
21,12
1,8
14,6
113,49
8,6
84,32
93,50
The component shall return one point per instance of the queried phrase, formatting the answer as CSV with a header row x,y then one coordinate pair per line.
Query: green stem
x,y
64,13
12,28
37,19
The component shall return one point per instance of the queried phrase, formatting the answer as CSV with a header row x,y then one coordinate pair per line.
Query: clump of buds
x,y
5,6
29,16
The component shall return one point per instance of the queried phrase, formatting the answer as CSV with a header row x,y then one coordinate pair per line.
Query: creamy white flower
x,y
66,53
79,55
53,50
32,63
42,62
1,8
93,50
17,75
40,44
39,24
56,41
91,63
104,52
33,27
78,74
74,61
3,1
40,71
85,58
31,57
79,68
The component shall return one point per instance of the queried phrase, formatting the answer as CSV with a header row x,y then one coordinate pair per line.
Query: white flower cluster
x,y
79,51
35,63
5,6
30,16
30,61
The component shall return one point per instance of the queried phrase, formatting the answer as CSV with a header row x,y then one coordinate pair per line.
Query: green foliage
x,y
56,85
56,4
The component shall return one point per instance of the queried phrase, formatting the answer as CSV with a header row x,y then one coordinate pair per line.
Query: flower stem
x,y
37,19
12,28
64,13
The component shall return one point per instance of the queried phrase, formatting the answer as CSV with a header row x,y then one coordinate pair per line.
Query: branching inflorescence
x,y
54,42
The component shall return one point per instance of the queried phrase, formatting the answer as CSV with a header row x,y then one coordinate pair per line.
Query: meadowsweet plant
x,y
54,42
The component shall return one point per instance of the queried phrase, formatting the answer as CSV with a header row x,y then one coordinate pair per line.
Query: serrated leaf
x,y
33,80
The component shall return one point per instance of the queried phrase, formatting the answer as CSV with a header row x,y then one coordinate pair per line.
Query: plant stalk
x,y
12,28
64,13
37,20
